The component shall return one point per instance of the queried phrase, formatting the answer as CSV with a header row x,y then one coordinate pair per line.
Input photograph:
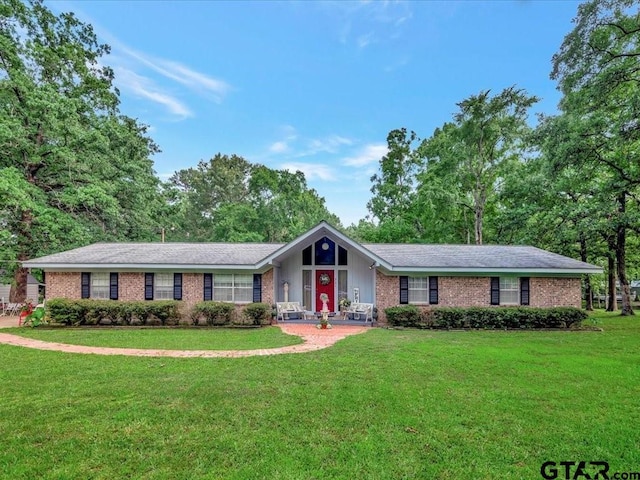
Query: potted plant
x,y
344,303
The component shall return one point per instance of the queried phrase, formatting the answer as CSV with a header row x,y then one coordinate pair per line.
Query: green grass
x,y
387,404
167,339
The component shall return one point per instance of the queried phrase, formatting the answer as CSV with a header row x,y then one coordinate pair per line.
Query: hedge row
x,y
485,318
101,312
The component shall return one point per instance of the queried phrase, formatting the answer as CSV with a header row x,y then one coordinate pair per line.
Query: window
x,y
325,252
343,290
100,285
229,287
509,291
306,289
163,286
421,290
418,290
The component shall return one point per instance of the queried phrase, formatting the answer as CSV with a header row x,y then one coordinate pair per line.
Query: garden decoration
x,y
324,314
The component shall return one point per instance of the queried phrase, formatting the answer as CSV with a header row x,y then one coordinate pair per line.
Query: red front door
x,y
324,284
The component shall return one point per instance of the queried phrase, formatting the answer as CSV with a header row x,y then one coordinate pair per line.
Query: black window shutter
x,y
177,286
113,285
524,291
148,286
208,287
257,287
404,290
495,290
85,285
433,290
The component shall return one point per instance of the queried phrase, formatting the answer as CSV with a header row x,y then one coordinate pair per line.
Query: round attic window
x,y
325,246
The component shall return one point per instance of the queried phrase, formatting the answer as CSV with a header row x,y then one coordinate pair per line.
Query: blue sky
x,y
316,86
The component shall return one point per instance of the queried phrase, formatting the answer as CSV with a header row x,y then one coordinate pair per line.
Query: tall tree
x,y
472,152
230,199
598,70
394,189
83,170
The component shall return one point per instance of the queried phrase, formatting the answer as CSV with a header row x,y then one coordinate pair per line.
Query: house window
x,y
306,289
418,290
100,285
229,287
509,291
163,286
343,291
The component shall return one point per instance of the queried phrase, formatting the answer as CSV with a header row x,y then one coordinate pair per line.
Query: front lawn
x,y
387,404
164,338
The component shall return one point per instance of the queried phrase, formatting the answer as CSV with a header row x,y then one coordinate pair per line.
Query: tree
x,y
598,70
82,170
394,189
472,152
230,199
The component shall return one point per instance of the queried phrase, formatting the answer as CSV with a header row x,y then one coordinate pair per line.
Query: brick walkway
x,y
314,339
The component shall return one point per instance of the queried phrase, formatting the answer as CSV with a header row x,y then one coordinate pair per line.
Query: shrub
x,y
258,313
108,312
508,317
403,316
213,313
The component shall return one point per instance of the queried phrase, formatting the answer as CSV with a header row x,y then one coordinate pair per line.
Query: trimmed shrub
x,y
108,312
508,317
403,316
212,313
257,313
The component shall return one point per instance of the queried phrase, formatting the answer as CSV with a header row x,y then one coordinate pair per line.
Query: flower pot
x,y
323,326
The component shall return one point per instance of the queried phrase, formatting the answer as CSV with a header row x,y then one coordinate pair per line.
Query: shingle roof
x,y
204,254
472,257
459,259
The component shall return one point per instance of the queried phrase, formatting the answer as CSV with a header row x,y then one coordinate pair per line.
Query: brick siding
x,y
452,291
62,285
475,292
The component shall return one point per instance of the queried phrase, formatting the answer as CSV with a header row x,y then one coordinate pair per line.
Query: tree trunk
x,y
18,292
612,304
587,280
621,245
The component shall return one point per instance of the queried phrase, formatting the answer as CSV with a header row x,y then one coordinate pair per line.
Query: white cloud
x,y
330,144
311,170
367,155
364,40
145,88
180,73
279,147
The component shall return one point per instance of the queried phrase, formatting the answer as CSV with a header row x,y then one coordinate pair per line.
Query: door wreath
x,y
325,279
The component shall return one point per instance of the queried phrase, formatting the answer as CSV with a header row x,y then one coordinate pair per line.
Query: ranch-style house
x,y
323,262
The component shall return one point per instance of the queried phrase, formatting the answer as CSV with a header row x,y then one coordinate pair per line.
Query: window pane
x,y
243,287
509,290
418,290
306,289
163,286
100,285
343,291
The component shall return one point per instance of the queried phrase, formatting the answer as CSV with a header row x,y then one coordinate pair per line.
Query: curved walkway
x,y
314,339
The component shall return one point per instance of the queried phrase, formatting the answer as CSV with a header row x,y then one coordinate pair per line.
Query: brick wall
x,y
62,285
267,287
387,294
556,292
131,286
475,292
